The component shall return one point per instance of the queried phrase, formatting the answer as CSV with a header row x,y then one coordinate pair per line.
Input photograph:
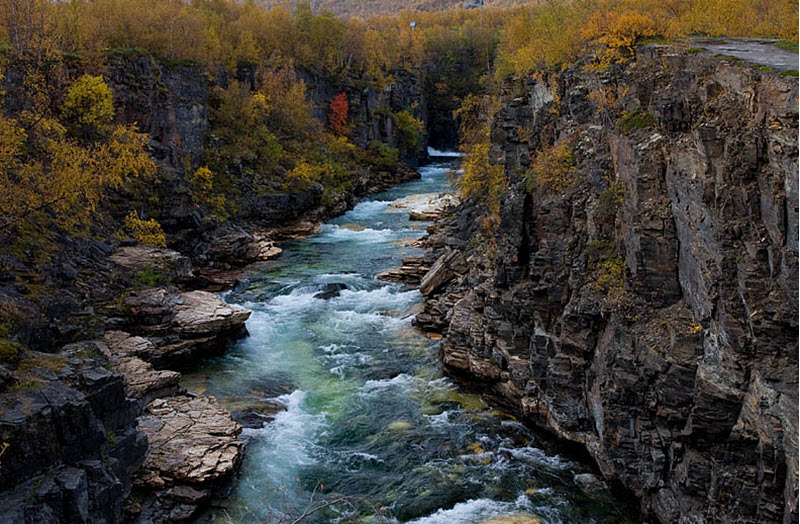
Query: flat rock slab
x,y
425,206
144,382
760,52
191,440
200,313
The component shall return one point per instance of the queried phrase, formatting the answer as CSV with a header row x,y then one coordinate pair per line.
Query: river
x,y
366,413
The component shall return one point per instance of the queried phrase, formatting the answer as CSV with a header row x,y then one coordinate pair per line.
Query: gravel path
x,y
760,52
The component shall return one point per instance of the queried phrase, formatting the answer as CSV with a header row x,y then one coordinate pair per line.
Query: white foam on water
x,y
288,439
539,457
447,154
442,419
402,381
333,233
350,322
469,512
367,209
386,297
260,325
346,362
297,301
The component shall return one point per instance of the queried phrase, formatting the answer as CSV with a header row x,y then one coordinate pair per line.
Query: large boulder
x,y
200,313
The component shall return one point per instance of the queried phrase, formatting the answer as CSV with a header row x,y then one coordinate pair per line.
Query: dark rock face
x,y
368,106
72,440
168,103
679,375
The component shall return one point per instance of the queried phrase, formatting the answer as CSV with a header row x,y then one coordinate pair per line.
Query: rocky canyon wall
x,y
646,307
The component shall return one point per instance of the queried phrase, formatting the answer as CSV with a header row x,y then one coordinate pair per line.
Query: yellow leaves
x,y
42,168
483,181
558,31
88,107
260,101
12,139
204,193
304,176
123,156
145,231
203,179
553,169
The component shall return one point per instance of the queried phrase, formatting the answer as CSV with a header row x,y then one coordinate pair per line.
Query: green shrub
x,y
609,266
791,72
637,120
383,155
150,276
611,199
9,352
409,131
786,45
695,50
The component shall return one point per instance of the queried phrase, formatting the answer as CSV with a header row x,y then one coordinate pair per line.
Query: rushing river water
x,y
366,412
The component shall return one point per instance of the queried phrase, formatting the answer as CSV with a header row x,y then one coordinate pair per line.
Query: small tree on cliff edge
x,y
337,118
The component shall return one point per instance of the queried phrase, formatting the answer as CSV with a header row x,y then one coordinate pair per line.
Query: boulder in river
x,y
331,290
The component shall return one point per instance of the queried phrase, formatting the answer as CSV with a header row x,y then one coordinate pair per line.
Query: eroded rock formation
x,y
649,311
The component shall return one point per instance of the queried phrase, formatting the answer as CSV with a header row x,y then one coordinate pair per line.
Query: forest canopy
x,y
63,149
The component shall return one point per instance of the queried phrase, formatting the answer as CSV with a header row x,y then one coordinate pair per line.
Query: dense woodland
x,y
63,151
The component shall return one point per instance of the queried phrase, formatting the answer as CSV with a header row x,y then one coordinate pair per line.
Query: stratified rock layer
x,y
649,312
193,447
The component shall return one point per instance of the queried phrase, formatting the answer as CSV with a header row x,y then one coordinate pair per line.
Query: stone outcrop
x,y
176,326
200,313
426,207
411,272
649,311
193,449
165,264
129,356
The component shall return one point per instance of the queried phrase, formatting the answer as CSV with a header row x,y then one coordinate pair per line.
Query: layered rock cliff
x,y
645,308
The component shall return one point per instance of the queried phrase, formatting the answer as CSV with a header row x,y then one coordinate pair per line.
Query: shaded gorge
x,y
341,397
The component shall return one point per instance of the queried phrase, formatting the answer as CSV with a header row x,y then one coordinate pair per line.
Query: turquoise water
x,y
365,412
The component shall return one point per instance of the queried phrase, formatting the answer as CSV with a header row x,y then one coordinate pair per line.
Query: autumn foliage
x,y
61,167
337,117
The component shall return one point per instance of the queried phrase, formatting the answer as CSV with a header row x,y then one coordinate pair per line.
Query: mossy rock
x,y
635,120
10,352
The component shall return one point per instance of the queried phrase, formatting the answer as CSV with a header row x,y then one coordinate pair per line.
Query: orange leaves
x,y
337,117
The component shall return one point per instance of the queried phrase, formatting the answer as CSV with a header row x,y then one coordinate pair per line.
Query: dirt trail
x,y
760,52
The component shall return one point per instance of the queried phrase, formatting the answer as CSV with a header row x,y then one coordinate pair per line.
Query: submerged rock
x,y
331,290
